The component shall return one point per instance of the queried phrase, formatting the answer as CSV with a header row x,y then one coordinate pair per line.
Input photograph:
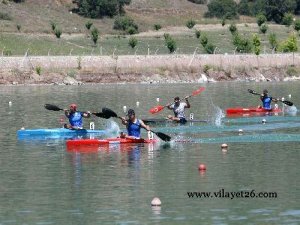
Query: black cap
x,y
130,112
176,98
265,91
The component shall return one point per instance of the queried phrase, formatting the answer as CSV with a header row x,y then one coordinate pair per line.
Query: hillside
x,y
35,15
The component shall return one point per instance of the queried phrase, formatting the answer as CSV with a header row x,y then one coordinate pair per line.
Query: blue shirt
x,y
134,129
75,119
267,102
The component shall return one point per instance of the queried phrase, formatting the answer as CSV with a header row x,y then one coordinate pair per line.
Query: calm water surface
x,y
41,183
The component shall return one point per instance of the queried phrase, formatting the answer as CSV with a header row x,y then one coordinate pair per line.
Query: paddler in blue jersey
x,y
178,109
75,117
133,125
266,100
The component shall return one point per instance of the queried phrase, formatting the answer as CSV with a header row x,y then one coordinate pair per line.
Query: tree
x,y
290,45
190,23
132,42
256,44
100,8
204,40
297,25
243,45
222,8
232,28
95,35
170,43
263,28
260,19
88,24
125,23
275,9
287,19
273,41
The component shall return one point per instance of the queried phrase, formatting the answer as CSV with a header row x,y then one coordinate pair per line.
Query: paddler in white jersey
x,y
178,108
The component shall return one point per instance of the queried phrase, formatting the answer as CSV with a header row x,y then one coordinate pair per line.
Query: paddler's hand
x,y
186,98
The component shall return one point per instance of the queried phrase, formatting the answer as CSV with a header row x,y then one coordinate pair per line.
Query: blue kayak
x,y
57,133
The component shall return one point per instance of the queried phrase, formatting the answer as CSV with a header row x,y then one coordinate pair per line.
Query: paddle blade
x,y
288,103
197,92
163,136
156,109
100,114
252,92
107,113
52,107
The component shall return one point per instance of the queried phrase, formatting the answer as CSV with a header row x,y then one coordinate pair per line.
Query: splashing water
x,y
217,115
291,110
112,128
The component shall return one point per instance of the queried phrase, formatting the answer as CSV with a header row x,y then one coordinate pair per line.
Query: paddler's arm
x,y
86,114
147,127
67,112
187,102
124,121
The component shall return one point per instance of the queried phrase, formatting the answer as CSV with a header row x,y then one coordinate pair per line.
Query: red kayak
x,y
88,145
251,111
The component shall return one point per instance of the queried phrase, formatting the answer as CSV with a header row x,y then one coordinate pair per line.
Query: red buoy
x,y
202,167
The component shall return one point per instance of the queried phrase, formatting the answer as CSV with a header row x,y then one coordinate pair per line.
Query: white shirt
x,y
179,110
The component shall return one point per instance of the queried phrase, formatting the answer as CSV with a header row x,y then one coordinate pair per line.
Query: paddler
x,y
75,117
266,100
178,108
133,125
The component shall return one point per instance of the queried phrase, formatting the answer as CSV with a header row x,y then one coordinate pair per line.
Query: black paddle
x,y
285,101
52,107
56,108
109,113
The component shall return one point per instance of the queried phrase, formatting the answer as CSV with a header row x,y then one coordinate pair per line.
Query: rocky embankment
x,y
75,70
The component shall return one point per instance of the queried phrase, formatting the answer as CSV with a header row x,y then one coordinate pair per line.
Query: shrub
x,y
210,48
203,40
57,32
7,52
38,70
124,22
198,33
132,42
222,8
232,28
95,35
287,19
206,68
88,24
190,23
53,25
256,44
166,36
131,30
198,1
171,44
273,41
5,16
260,19
243,45
18,27
157,26
263,28
297,25
223,22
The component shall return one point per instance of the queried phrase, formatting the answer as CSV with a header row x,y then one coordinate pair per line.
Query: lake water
x,y
41,183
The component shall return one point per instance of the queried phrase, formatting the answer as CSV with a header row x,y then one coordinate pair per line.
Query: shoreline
x,y
148,69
